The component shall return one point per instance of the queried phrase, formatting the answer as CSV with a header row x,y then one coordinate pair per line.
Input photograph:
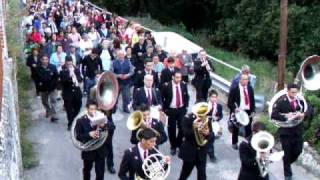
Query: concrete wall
x,y
10,152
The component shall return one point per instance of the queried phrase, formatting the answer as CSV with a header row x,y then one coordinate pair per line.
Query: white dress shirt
x,y
243,105
141,151
173,101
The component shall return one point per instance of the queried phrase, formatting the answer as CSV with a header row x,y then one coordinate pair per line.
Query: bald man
x,y
147,94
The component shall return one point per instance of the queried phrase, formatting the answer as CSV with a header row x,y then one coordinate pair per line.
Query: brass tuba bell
x,y
105,91
201,110
309,73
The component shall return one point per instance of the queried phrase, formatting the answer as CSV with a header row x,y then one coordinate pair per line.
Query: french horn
x,y
105,93
308,77
155,166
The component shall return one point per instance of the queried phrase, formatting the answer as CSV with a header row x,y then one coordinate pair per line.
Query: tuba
x,y
105,93
262,142
308,77
201,110
135,121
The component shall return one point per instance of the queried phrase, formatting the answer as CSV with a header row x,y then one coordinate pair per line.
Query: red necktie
x,y
149,97
246,97
145,154
178,102
293,106
213,109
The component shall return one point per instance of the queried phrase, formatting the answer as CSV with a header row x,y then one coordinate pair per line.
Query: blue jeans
x,y
124,90
88,84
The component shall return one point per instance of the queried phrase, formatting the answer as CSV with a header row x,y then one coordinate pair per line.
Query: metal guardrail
x,y
217,80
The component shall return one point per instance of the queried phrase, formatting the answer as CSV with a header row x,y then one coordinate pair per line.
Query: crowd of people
x,y
70,44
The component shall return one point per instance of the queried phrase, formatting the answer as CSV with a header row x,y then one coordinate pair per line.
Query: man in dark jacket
x,y
240,98
47,79
33,61
132,160
192,153
286,107
91,66
175,100
148,121
86,132
71,92
249,165
202,81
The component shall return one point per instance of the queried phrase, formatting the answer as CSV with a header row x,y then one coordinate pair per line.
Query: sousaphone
x,y
105,93
308,77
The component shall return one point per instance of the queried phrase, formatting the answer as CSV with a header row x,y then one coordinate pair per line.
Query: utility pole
x,y
283,43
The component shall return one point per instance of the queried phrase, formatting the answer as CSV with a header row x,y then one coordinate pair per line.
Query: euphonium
x,y
201,110
135,121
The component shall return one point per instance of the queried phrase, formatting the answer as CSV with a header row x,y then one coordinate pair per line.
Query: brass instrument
x,y
262,142
308,77
201,110
135,121
106,93
155,166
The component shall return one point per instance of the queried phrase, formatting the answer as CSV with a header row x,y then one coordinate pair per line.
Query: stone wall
x,y
10,152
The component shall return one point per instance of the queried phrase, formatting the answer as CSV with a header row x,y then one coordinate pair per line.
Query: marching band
x,y
159,87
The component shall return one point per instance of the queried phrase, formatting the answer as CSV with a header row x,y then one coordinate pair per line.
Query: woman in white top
x,y
85,45
105,55
94,36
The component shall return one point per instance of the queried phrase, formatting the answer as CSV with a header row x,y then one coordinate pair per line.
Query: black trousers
x,y
72,105
211,147
109,144
292,147
175,117
189,165
247,128
36,84
99,165
202,88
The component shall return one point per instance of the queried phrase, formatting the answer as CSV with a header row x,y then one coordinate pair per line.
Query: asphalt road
x,y
60,160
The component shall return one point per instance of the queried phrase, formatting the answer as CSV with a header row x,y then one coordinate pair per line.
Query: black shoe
x,y
54,120
288,178
235,146
213,159
173,152
111,170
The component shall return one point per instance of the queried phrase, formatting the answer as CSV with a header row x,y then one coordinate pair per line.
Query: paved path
x,y
60,160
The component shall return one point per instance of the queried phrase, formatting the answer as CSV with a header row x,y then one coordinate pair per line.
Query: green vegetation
x,y
245,26
15,47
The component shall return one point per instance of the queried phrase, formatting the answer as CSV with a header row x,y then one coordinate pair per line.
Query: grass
x,y
15,47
